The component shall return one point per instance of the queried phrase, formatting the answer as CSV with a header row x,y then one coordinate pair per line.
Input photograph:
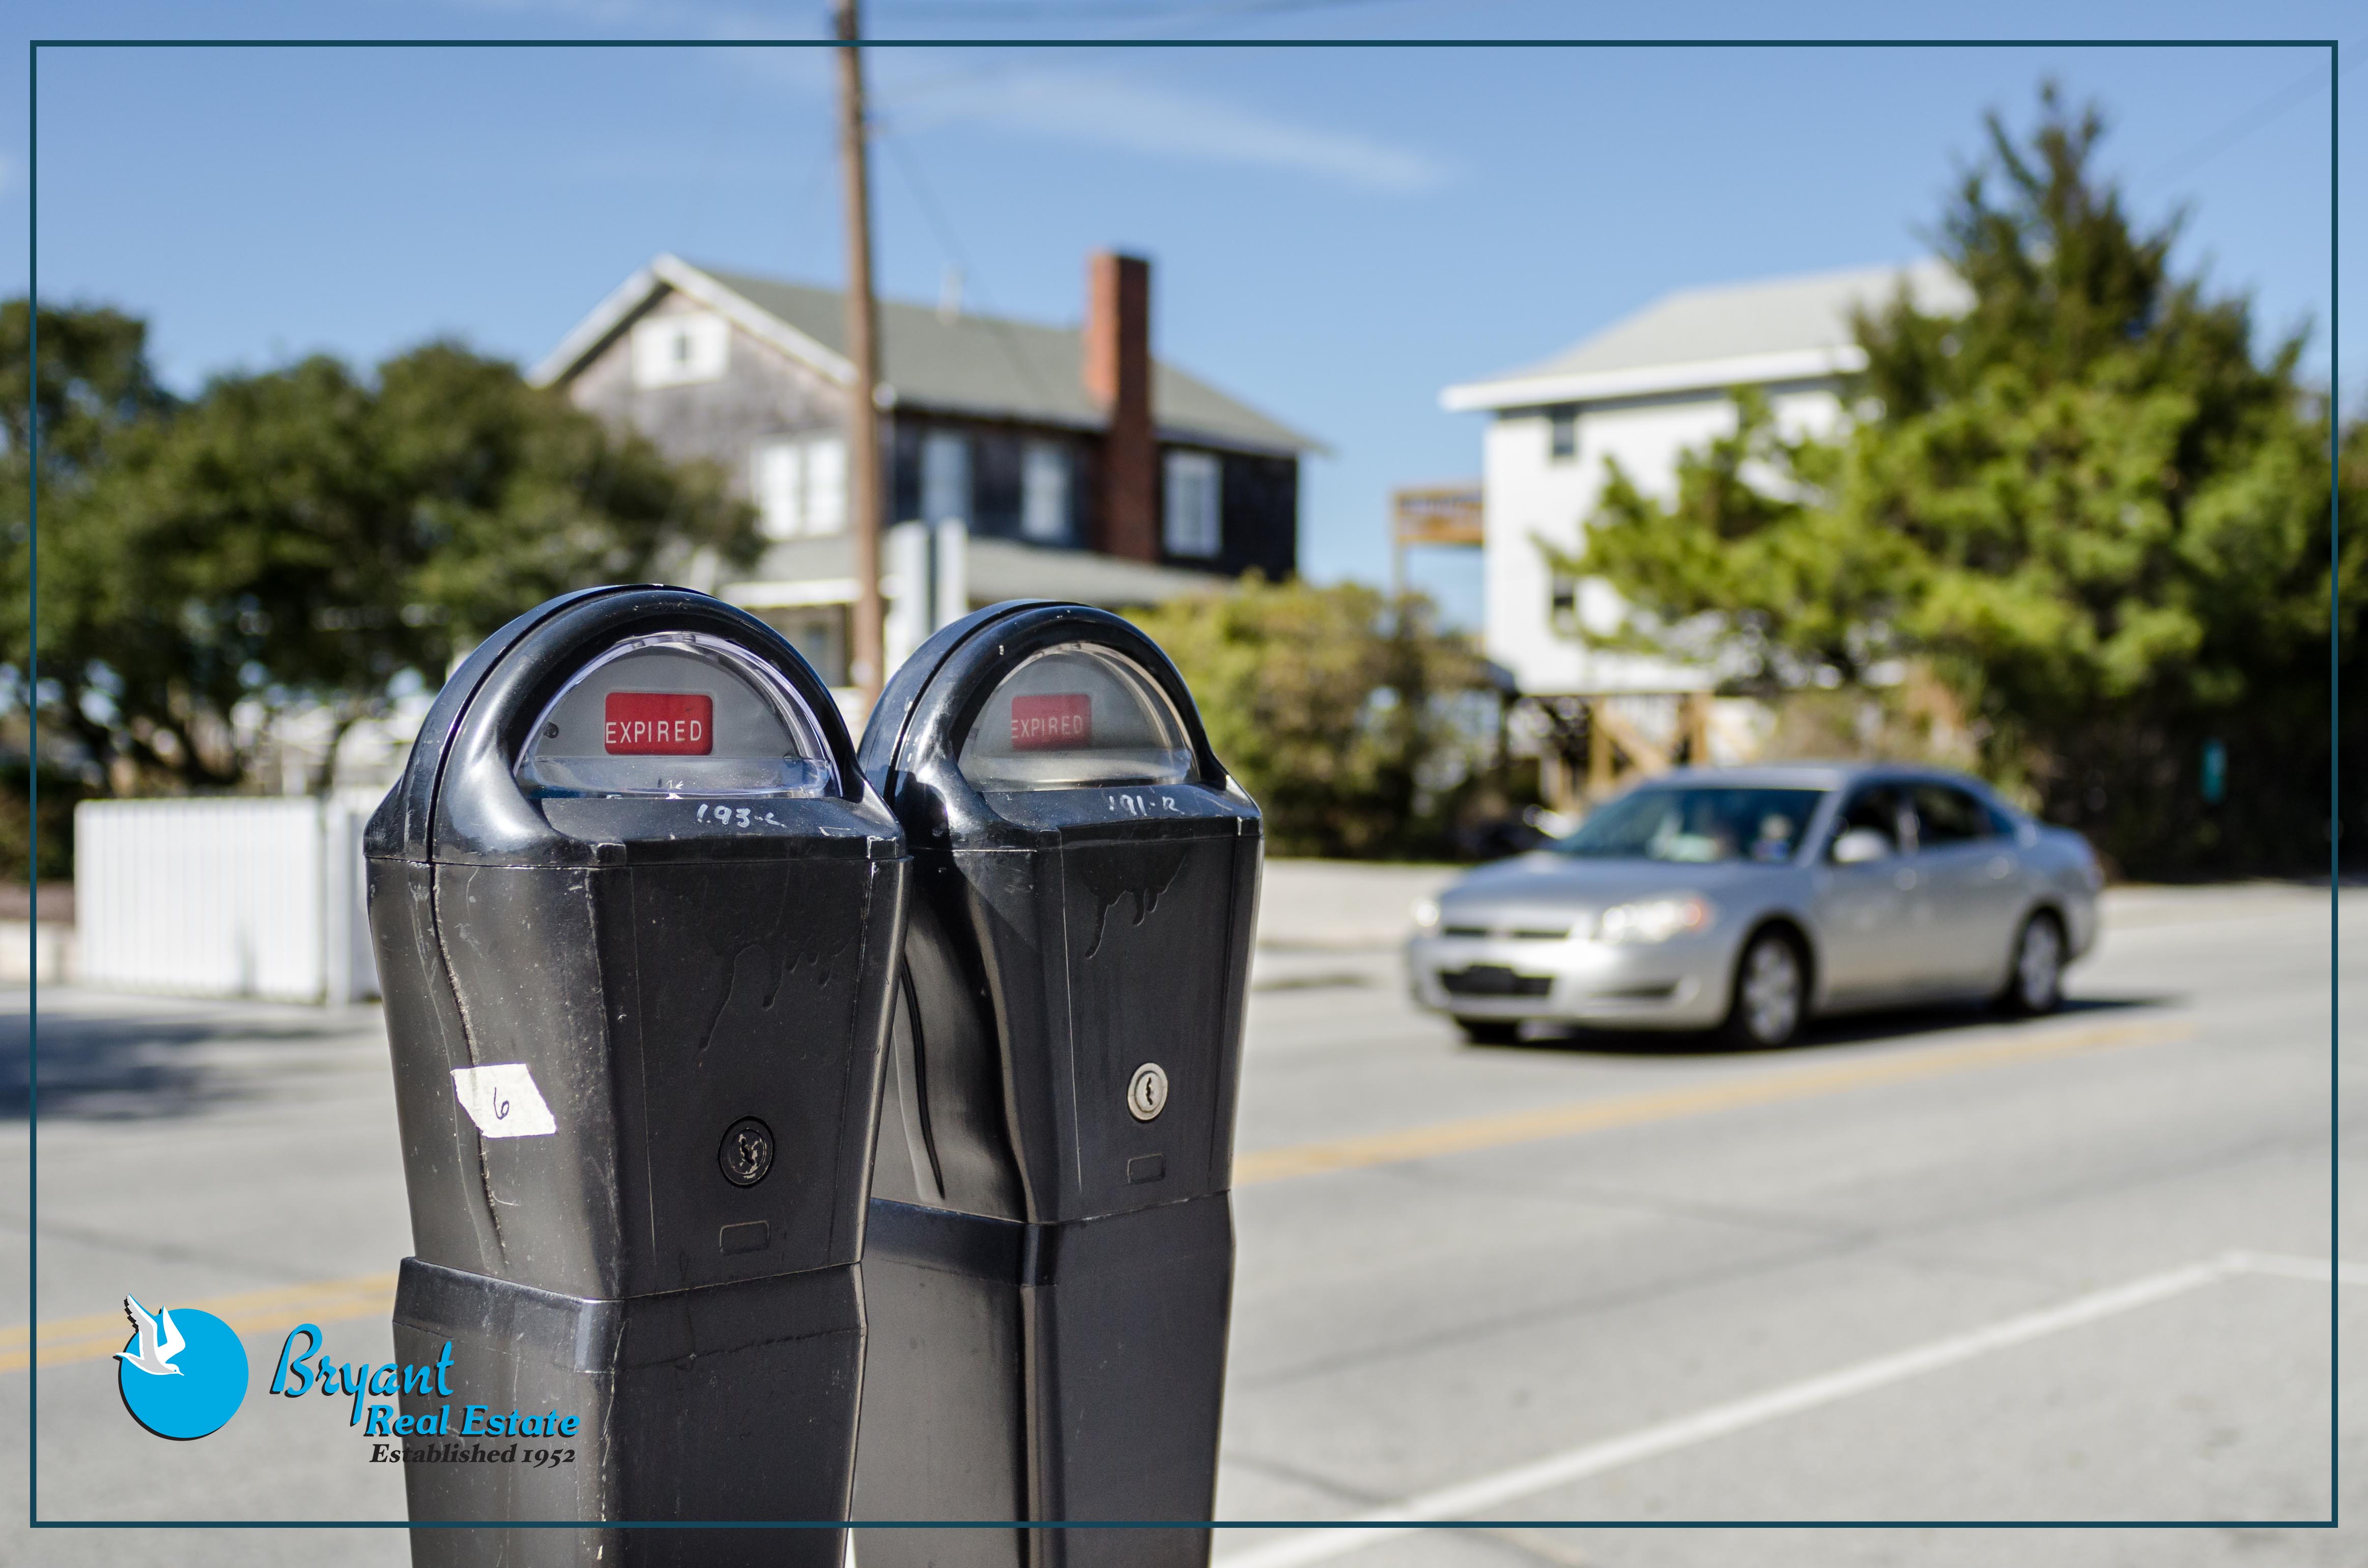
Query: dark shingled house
x,y
1023,460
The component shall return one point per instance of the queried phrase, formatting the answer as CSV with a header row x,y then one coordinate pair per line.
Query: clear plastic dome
x,y
677,713
1072,717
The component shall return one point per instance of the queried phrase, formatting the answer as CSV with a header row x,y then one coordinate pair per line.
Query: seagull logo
x,y
153,1356
181,1374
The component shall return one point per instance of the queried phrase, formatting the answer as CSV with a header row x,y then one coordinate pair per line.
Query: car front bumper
x,y
1677,984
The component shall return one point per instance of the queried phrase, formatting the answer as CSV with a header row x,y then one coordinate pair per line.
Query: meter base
x,y
1044,1372
679,1417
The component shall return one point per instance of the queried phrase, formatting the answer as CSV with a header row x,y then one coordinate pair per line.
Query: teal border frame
x,y
2333,51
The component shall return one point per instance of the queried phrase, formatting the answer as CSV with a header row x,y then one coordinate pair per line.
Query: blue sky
x,y
1337,233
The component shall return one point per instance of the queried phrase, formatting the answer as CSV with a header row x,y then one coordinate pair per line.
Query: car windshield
x,y
1697,823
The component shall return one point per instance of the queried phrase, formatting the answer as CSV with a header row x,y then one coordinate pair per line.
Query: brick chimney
x,y
1118,375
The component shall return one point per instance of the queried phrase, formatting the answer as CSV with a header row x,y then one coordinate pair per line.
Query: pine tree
x,y
2088,504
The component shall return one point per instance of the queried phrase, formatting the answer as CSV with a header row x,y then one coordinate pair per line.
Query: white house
x,y
1643,391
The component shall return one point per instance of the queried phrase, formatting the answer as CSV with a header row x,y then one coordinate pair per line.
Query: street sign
x,y
1434,515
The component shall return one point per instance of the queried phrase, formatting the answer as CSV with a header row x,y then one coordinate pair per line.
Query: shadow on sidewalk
x,y
161,1061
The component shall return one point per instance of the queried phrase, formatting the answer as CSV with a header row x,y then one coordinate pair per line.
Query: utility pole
x,y
868,655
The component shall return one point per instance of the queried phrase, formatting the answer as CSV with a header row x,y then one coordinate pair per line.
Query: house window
x,y
676,350
825,485
1562,434
819,631
1045,493
800,486
777,482
945,478
1193,524
1562,601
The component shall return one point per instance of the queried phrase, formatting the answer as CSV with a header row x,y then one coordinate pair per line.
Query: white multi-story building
x,y
1642,391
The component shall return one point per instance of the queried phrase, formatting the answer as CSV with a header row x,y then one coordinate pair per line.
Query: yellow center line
x,y
277,1308
96,1337
1693,1099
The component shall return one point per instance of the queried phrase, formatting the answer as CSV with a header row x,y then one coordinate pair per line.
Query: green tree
x,y
1334,706
305,538
95,384
2088,504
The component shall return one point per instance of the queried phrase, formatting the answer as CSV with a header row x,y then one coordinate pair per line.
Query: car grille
x,y
1494,980
1520,934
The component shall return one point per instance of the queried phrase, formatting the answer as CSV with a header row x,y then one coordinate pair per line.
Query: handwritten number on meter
x,y
1143,805
735,816
502,1099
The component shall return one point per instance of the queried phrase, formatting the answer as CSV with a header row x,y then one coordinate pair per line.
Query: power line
x,y
934,215
810,205
2269,109
696,203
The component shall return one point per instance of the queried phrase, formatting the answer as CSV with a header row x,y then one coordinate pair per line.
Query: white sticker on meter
x,y
503,1101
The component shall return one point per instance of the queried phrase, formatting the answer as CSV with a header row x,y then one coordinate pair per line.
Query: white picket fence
x,y
246,897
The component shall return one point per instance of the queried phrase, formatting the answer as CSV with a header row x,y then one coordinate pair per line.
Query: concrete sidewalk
x,y
1337,923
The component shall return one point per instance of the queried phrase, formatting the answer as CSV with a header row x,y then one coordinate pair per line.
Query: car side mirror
x,y
1860,845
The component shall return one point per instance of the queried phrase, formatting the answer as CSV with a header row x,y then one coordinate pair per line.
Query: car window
x,y
1697,823
1875,809
1946,815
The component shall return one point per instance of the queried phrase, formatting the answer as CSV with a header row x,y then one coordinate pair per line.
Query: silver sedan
x,y
1747,900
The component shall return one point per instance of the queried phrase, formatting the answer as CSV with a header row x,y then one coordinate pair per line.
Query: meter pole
x,y
868,654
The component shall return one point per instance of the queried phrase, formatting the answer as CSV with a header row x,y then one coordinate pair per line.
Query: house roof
x,y
1708,339
990,367
821,571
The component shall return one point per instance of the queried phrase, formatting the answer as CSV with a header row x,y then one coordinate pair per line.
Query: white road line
x,y
1576,1464
2316,1270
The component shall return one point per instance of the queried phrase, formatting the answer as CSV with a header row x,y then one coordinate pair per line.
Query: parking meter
x,y
637,918
1049,1260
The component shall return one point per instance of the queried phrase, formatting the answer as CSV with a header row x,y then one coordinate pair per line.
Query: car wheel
x,y
1491,1031
1772,993
2035,985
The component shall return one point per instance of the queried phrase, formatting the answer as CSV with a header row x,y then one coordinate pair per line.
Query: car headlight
x,y
1654,919
1425,914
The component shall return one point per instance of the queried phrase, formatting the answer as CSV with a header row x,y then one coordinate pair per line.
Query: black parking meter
x,y
637,918
1049,1261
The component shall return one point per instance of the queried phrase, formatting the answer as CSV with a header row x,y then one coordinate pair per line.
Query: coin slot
x,y
754,1235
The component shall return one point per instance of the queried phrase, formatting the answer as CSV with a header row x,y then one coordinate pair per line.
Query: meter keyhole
x,y
1146,1093
747,1152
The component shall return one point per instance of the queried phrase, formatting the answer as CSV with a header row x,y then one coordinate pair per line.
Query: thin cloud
x,y
1103,108
1108,109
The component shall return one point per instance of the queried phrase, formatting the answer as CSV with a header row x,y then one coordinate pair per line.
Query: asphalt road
x,y
1918,1269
